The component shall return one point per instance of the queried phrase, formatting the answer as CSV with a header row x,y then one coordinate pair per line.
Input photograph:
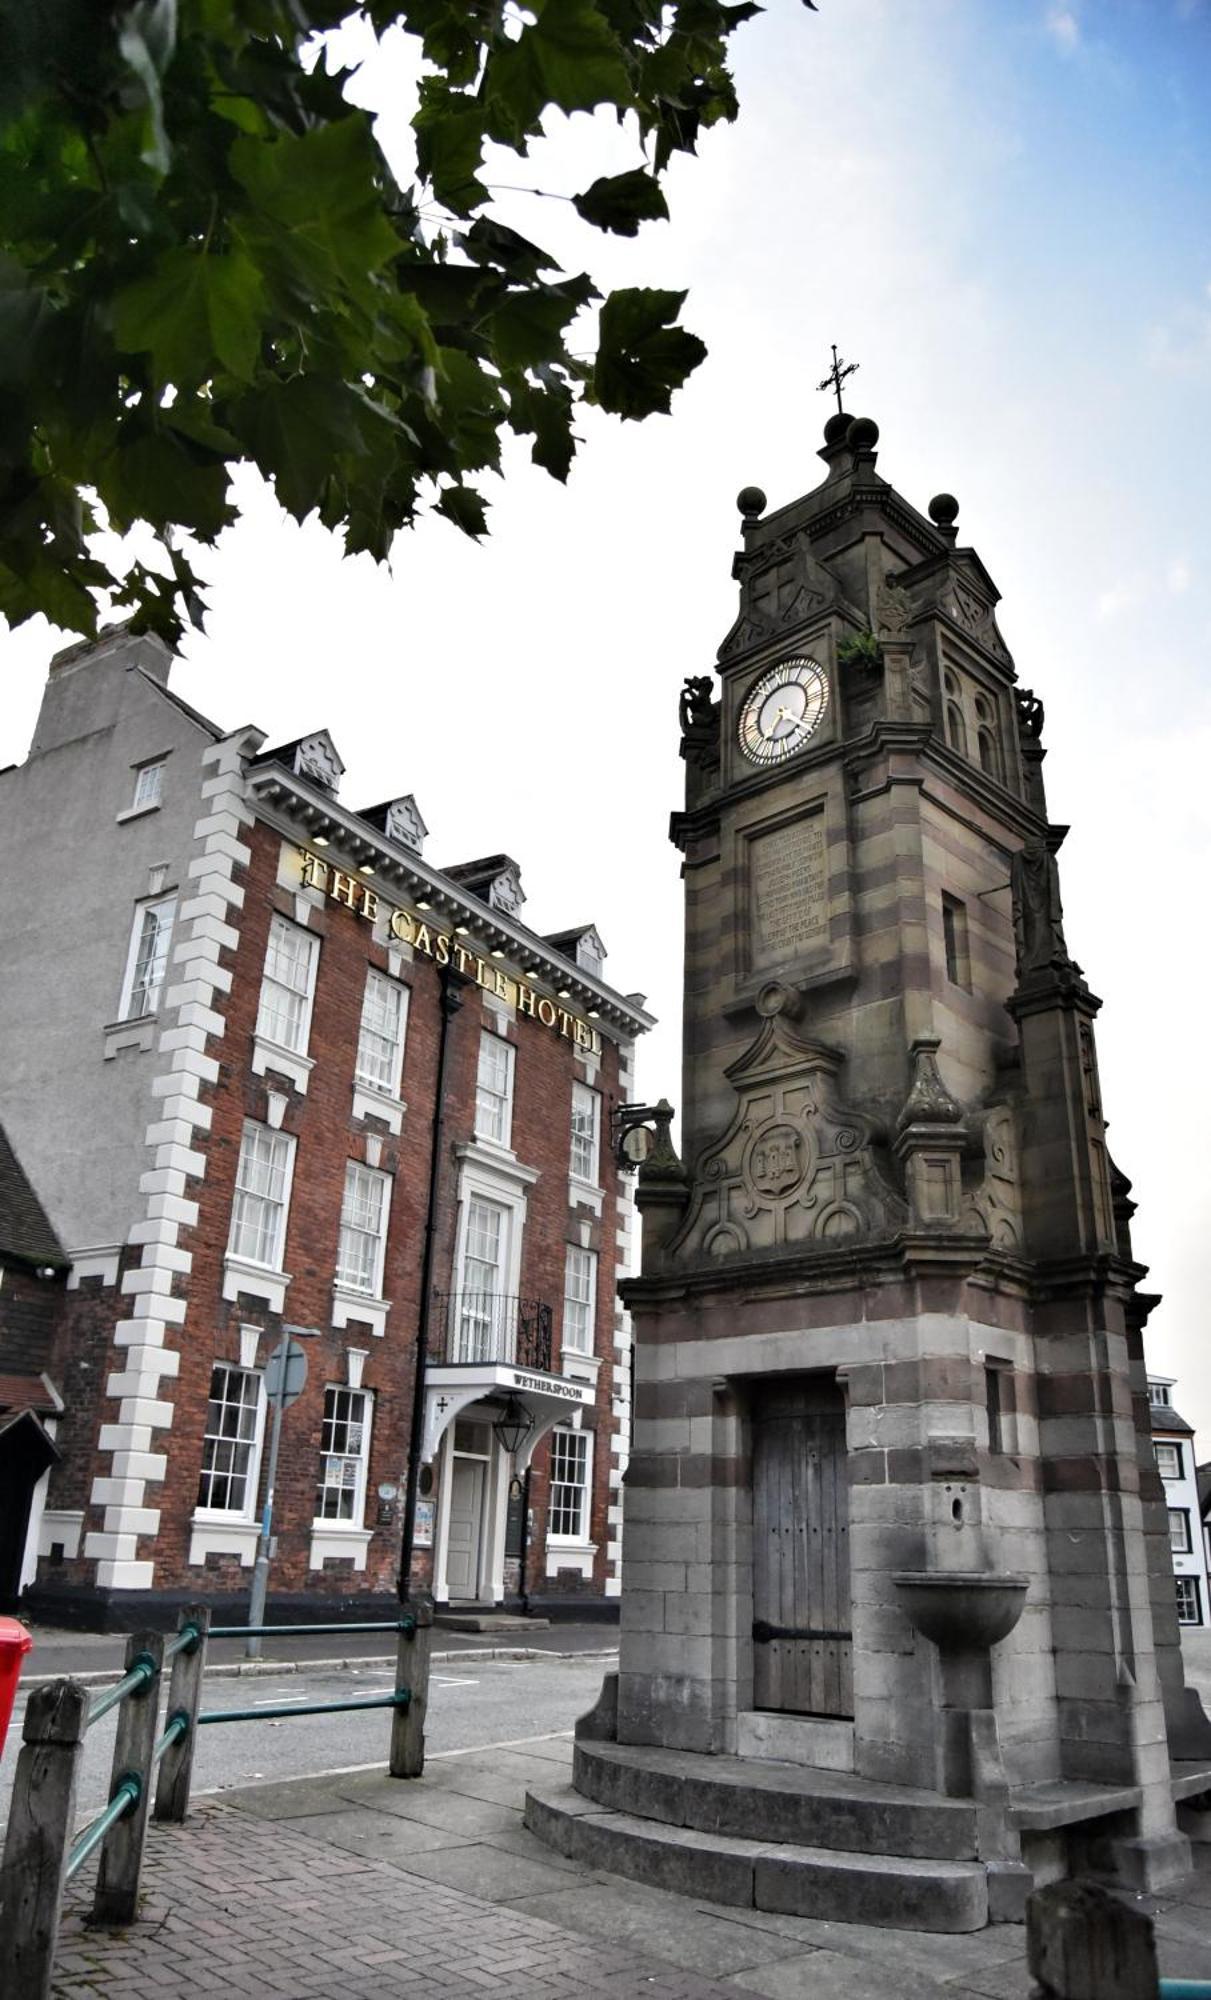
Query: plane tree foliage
x,y
205,259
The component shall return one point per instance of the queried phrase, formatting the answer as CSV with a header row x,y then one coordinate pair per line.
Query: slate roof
x,y
26,1234
1165,1419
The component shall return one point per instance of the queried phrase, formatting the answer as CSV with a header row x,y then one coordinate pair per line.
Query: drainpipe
x,y
451,1000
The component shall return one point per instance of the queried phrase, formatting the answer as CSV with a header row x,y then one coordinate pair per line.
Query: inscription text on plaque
x,y
789,891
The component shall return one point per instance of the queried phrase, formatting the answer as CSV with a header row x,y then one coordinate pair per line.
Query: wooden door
x,y
802,1638
466,1517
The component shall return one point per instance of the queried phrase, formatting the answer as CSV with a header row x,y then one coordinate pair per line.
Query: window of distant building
x,y
262,1196
1189,1600
1158,1395
227,1483
363,1237
579,1299
1169,1461
380,1042
571,1472
288,986
344,1456
1179,1531
586,1133
494,1089
147,958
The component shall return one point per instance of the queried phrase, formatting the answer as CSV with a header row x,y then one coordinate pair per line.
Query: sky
x,y
1000,209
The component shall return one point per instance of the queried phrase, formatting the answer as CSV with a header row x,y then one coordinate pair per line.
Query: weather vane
x,y
837,374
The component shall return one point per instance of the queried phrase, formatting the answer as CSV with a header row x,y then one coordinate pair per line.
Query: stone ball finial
x,y
837,426
943,510
751,502
863,434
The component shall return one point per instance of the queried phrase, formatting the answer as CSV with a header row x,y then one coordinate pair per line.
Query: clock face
x,y
782,711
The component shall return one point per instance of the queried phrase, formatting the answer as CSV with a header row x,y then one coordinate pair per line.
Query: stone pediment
x,y
796,1166
781,585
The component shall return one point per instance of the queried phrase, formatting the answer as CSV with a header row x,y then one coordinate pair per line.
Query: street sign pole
x,y
285,1377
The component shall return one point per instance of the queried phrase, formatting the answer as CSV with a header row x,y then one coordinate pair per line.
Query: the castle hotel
x,y
232,1010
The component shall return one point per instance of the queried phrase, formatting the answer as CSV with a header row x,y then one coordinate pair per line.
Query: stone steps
x,y
903,1891
759,1800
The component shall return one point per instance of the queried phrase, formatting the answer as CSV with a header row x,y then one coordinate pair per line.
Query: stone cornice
x,y
301,810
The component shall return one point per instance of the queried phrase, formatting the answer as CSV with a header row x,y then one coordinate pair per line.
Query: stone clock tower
x,y
892,1516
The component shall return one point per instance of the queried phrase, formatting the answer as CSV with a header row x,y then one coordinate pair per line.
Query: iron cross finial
x,y
837,374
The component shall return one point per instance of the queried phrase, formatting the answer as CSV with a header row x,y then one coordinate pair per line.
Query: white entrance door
x,y
466,1527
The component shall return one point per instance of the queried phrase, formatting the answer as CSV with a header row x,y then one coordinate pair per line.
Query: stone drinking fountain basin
x,y
961,1610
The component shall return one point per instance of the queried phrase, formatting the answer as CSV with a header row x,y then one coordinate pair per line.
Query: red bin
x,y
15,1643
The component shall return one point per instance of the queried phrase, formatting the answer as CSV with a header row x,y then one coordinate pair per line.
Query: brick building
x,y
268,1066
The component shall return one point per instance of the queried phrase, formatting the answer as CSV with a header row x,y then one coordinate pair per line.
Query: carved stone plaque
x,y
789,891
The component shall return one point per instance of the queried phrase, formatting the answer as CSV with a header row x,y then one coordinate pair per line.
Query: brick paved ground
x,y
363,1887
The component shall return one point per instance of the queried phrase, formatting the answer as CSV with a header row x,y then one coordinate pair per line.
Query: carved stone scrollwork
x,y
996,1205
795,1166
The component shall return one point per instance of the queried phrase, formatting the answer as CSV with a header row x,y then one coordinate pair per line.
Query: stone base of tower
x,y
776,1835
812,1460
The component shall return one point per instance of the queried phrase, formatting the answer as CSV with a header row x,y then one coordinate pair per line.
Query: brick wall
x,y
327,1135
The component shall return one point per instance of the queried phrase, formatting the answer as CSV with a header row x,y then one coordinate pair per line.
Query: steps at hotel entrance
x,y
769,1836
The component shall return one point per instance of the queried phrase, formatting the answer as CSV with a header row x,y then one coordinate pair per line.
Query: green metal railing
x,y
149,1757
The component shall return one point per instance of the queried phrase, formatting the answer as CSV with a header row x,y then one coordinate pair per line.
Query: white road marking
x,y
378,1764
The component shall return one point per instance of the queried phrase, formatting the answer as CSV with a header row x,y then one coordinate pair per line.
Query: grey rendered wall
x,y
70,875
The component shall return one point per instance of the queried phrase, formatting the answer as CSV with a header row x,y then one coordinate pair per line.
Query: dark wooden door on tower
x,y
802,1637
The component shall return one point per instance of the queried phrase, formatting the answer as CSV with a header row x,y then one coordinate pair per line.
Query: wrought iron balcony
x,y
488,1327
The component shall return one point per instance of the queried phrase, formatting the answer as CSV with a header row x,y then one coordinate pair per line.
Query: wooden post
x,y
407,1758
41,1821
184,1698
117,1895
1084,1943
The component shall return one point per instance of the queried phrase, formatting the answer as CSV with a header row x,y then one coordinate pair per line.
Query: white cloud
x,y
1064,28
1177,576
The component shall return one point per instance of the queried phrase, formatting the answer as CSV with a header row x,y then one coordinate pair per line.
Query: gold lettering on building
x,y
444,949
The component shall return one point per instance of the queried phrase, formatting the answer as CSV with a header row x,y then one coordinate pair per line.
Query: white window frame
x,y
1158,1395
283,1145
479,1332
296,1040
152,907
1189,1595
355,1233
494,1104
369,1077
1179,1527
149,785
1162,1451
361,1459
578,1298
206,1510
562,1538
587,1167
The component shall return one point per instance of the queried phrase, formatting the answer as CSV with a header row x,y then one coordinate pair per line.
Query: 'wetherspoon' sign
x,y
444,949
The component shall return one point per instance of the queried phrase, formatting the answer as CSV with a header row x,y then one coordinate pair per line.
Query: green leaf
x,y
154,478
527,327
449,149
642,356
297,431
466,508
622,201
569,58
195,310
546,412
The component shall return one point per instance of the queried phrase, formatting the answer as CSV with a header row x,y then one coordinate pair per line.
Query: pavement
x,y
357,1886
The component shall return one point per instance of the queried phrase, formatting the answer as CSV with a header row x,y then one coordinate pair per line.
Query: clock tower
x,y
892,1516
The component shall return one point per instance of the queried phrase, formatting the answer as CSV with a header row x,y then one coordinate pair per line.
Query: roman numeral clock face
x,y
782,711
